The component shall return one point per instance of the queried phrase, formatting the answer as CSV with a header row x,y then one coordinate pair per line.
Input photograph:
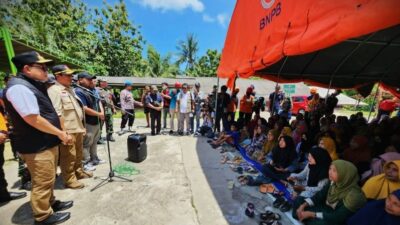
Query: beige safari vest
x,y
66,105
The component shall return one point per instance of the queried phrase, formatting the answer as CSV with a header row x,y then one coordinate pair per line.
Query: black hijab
x,y
283,157
320,170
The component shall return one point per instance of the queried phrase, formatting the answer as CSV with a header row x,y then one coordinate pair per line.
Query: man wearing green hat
x,y
37,134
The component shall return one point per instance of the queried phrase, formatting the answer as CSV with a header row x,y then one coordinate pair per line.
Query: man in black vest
x,y
37,134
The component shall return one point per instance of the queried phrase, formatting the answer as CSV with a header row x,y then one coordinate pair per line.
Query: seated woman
x,y
301,128
254,149
328,144
336,202
282,160
378,163
359,153
286,131
380,212
380,186
271,142
315,175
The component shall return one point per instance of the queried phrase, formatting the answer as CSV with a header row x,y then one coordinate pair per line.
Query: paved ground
x,y
181,183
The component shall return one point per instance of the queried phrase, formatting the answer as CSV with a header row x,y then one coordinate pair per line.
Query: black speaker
x,y
137,148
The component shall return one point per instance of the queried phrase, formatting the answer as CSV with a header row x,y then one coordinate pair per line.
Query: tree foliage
x,y
159,66
187,51
208,64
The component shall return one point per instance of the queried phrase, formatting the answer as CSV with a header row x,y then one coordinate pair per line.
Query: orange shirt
x,y
3,124
246,104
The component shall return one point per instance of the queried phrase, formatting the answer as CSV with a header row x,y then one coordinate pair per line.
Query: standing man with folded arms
x,y
37,134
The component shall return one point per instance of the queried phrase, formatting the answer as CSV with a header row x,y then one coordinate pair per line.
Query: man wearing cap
x,y
107,101
37,134
93,114
71,115
127,107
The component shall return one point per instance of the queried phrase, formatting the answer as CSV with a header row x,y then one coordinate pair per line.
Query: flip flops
x,y
267,188
270,218
250,210
243,180
278,202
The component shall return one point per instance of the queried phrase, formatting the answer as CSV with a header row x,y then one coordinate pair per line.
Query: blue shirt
x,y
172,103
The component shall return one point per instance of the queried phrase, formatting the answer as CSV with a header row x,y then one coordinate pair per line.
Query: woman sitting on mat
x,y
282,160
328,144
336,202
379,212
254,149
271,142
380,186
314,176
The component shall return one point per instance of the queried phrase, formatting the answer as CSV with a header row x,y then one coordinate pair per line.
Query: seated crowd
x,y
337,170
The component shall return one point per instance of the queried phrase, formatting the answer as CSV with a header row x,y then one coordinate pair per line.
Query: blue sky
x,y
165,22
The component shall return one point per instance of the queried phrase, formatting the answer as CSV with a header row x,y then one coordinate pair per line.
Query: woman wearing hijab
x,y
336,202
286,131
380,212
328,144
359,153
380,186
315,175
301,128
378,163
272,140
282,160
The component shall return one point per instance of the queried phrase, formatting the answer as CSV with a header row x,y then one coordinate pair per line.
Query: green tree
x,y
57,26
208,64
187,51
119,42
159,66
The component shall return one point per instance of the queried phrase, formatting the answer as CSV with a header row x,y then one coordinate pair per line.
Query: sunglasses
x,y
42,67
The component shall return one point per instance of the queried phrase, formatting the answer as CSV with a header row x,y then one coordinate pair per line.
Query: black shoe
x,y
153,134
100,142
60,206
55,218
12,196
171,132
110,138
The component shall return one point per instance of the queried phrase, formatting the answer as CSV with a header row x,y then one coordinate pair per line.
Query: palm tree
x,y
187,51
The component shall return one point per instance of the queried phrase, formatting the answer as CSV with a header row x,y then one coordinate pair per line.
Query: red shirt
x,y
166,100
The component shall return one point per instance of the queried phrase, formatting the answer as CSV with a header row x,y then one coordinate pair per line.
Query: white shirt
x,y
183,100
23,100
127,101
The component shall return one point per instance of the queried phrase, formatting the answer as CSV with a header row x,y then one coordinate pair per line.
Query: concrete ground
x,y
180,183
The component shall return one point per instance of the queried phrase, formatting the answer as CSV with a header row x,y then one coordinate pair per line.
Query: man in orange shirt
x,y
246,107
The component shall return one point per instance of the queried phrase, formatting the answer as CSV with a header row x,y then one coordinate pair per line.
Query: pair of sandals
x,y
243,179
270,218
281,204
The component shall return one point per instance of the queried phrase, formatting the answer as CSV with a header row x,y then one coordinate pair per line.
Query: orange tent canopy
x,y
341,43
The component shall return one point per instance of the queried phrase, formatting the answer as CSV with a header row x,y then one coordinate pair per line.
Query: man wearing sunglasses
x,y
71,116
37,134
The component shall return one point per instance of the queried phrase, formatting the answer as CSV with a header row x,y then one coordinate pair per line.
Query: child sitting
x,y
230,137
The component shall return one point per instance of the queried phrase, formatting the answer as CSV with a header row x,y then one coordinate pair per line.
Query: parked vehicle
x,y
299,104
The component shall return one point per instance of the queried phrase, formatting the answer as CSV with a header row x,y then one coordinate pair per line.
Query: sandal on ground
x,y
285,207
267,215
250,210
278,202
209,141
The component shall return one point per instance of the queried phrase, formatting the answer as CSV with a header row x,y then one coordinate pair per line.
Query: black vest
x,y
92,103
26,138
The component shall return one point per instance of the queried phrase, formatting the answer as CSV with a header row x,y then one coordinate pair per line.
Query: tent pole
x,y
374,101
216,104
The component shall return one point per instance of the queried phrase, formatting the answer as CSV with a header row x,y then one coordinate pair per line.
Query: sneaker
x,y
98,161
100,142
89,167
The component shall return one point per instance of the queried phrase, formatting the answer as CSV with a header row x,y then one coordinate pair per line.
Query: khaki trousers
x,y
172,120
71,157
184,117
42,166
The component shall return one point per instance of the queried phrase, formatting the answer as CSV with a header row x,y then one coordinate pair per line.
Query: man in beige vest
x,y
71,116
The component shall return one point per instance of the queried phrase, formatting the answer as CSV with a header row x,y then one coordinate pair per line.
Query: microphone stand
x,y
111,173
